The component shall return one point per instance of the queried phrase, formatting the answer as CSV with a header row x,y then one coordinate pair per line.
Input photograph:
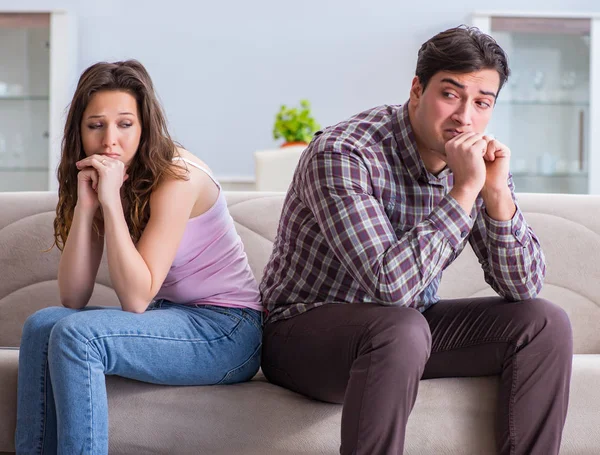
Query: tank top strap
x,y
197,166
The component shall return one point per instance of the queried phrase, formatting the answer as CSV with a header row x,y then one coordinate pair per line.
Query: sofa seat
x,y
259,418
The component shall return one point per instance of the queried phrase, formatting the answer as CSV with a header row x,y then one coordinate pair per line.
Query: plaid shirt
x,y
364,221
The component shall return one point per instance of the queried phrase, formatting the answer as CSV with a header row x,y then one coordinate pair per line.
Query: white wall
x,y
222,69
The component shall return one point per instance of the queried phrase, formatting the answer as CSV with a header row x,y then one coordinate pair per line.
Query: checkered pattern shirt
x,y
364,221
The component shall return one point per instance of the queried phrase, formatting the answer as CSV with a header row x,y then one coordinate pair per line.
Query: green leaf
x,y
295,124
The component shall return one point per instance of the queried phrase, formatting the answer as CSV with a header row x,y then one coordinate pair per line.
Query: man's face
x,y
451,104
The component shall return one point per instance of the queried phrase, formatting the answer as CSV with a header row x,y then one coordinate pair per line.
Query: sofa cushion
x,y
450,416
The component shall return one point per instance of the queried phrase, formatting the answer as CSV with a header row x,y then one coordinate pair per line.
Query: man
x,y
379,206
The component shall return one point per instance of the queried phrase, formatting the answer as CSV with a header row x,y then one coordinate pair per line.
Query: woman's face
x,y
111,125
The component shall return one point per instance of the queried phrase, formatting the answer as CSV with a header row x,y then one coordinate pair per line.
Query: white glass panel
x,y
24,101
543,111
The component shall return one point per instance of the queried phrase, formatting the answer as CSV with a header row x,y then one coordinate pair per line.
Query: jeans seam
x,y
247,317
138,335
248,360
90,407
225,312
45,405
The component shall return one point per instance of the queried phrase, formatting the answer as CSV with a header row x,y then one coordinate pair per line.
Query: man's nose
x,y
463,114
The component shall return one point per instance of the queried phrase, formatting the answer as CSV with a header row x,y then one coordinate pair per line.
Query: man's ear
x,y
416,90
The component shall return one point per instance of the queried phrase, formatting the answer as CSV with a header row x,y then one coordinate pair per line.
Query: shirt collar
x,y
409,154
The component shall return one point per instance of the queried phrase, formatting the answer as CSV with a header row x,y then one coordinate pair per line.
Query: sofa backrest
x,y
568,227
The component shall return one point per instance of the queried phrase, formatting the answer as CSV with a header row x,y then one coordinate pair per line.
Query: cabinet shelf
x,y
518,102
23,169
582,175
24,98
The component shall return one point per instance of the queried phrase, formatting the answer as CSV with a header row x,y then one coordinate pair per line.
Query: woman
x,y
190,307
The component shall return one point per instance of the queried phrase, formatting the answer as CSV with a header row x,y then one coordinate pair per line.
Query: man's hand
x,y
496,193
497,164
464,156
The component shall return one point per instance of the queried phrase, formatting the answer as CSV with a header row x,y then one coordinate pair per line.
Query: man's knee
x,y
403,335
550,321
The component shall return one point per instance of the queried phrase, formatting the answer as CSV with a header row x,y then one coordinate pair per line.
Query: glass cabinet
x,y
546,111
36,63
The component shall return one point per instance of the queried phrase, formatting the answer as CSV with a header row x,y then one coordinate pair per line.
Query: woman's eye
x,y
95,126
125,125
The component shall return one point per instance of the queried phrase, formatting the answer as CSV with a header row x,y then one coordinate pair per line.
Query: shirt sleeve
x,y
392,270
509,253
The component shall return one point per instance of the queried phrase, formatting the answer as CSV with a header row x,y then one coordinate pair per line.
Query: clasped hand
x,y
478,162
99,181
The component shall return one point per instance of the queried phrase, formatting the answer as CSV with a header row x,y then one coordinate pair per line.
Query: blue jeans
x,y
65,354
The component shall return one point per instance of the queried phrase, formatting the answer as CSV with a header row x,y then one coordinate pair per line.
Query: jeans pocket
x,y
245,371
231,313
254,317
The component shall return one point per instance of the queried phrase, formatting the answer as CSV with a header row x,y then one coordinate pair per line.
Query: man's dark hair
x,y
461,50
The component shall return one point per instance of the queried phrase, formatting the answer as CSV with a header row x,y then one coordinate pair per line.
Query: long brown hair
x,y
150,165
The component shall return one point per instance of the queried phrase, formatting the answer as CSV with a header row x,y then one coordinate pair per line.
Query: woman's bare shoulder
x,y
206,189
193,158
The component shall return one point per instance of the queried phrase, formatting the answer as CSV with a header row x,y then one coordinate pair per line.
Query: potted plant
x,y
295,125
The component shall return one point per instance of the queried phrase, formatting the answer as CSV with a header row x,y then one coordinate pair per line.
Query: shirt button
x,y
463,234
518,232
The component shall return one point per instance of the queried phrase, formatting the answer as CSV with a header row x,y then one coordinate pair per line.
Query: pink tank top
x,y
210,266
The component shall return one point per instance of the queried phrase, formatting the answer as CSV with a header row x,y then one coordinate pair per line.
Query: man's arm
x,y
392,270
508,250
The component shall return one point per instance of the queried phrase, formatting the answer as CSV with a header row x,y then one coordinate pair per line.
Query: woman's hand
x,y
111,174
87,198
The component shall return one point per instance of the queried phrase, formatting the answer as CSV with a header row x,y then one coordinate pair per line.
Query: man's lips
x,y
452,132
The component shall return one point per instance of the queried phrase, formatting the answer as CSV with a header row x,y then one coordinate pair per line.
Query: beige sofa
x,y
451,416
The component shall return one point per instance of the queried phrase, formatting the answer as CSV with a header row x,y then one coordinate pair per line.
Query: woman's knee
x,y
67,328
43,321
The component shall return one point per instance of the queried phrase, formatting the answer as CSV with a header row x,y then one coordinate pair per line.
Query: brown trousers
x,y
371,358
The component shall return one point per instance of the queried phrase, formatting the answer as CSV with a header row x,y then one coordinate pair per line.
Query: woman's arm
x,y
138,271
82,253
